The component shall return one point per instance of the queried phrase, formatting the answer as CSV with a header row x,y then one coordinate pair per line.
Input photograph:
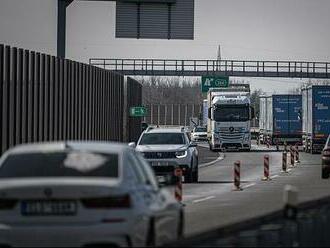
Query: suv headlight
x,y
181,154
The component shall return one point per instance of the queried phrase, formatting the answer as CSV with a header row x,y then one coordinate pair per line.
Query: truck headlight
x,y
181,154
246,137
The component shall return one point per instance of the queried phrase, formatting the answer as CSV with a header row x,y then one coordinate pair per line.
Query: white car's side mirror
x,y
132,144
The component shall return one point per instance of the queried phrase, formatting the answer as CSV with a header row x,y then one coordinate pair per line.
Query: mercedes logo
x,y
231,129
48,192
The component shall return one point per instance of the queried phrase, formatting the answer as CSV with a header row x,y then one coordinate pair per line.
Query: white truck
x,y
229,116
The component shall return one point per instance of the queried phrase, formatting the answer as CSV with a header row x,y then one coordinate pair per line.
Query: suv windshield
x,y
200,129
162,139
60,164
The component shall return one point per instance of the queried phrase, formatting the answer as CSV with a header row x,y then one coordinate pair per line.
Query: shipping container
x,y
280,118
316,117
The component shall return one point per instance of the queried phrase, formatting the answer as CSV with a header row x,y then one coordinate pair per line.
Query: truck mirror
x,y
209,113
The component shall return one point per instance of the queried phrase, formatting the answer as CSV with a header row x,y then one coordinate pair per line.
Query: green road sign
x,y
137,111
214,82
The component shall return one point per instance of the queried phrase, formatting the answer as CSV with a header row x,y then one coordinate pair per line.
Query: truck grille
x,y
231,136
159,155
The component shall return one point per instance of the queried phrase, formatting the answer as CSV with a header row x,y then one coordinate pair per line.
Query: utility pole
x,y
219,57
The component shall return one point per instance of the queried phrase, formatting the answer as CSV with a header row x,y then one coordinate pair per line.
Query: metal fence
x,y
310,228
45,98
172,114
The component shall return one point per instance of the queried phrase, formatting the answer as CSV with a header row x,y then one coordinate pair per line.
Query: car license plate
x,y
48,207
160,163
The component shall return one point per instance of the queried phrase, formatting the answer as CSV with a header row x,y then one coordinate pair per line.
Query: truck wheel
x,y
325,174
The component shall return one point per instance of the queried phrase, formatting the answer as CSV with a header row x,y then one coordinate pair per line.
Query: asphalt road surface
x,y
212,202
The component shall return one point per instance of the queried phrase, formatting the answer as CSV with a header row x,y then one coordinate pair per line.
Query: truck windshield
x,y
231,113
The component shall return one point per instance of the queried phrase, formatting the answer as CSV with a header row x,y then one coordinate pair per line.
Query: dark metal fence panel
x,y
134,98
45,98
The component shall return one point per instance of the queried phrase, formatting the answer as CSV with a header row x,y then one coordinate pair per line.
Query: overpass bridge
x,y
236,68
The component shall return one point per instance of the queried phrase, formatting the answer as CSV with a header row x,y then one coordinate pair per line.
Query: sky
x,y
245,29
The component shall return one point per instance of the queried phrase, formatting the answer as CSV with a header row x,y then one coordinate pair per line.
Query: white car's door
x,y
166,209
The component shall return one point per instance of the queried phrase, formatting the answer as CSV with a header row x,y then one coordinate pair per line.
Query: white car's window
x,y
60,164
148,171
136,167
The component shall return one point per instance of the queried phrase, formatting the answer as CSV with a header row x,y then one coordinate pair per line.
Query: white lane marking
x,y
274,176
221,157
204,199
249,185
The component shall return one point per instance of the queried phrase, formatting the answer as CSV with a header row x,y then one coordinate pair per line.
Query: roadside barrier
x,y
266,168
292,152
237,176
297,154
178,185
284,161
267,142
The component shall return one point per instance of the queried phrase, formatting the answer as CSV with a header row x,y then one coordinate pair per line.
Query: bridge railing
x,y
226,67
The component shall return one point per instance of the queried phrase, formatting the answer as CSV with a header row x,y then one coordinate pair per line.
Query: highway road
x,y
212,202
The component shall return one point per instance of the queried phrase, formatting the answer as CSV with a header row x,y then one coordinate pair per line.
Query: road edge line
x,y
221,157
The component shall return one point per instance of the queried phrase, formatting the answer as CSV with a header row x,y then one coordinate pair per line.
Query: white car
x,y
83,194
199,134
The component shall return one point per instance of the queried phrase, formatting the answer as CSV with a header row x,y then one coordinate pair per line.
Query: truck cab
x,y
229,118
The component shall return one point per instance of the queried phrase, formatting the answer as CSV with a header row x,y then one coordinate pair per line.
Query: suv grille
x,y
159,155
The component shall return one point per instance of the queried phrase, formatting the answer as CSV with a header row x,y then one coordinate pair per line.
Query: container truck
x,y
281,118
316,117
229,115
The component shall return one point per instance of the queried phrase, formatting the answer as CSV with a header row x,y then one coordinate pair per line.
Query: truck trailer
x,y
280,118
316,117
229,115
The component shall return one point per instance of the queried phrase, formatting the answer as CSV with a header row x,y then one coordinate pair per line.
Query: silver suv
x,y
167,148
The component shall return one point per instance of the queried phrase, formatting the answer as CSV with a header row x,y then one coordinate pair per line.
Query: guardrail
x,y
310,228
239,68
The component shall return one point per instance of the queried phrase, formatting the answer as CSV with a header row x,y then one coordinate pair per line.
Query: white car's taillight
x,y
326,152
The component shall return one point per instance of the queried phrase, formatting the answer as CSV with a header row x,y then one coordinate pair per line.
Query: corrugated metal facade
x,y
155,20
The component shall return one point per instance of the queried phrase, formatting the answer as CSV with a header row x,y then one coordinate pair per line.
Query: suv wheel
x,y
325,174
189,176
195,176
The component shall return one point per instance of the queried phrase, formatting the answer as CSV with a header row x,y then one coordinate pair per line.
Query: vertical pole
x,y
237,176
151,114
291,156
158,114
172,120
61,26
297,154
266,168
284,161
185,115
178,186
